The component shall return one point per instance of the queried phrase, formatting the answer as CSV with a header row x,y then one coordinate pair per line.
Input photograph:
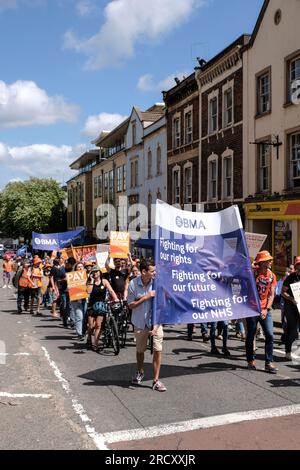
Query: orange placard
x,y
77,285
119,244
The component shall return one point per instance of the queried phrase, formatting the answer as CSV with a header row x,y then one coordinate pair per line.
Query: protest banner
x,y
57,241
119,244
101,259
77,285
200,259
296,293
254,242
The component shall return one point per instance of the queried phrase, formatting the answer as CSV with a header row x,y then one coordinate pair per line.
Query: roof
x,y
258,23
240,41
186,81
108,139
84,159
151,117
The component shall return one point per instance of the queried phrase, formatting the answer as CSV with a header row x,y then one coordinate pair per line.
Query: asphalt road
x,y
54,394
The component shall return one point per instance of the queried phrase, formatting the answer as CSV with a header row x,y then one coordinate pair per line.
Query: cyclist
x,y
98,288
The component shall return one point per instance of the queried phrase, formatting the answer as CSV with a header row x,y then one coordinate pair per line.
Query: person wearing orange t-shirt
x,y
265,283
8,266
35,288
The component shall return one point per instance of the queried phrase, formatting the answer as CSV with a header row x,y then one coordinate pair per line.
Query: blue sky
x,y
71,68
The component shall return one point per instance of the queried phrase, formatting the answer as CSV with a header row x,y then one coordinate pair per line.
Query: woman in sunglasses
x,y
99,290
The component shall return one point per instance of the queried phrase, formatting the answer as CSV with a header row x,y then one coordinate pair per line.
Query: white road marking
x,y
25,395
294,356
77,407
202,423
16,354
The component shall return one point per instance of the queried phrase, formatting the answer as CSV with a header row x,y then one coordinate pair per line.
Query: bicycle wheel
x,y
123,333
114,336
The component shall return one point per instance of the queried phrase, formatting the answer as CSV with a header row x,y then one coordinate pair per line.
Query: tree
x,y
34,205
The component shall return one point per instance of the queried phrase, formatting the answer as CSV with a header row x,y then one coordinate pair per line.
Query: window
x,y
213,115
212,177
81,191
176,186
176,132
295,160
149,164
158,160
149,209
264,93
264,167
105,187
188,127
119,179
95,187
134,173
228,107
99,186
294,76
227,177
111,187
124,177
188,184
133,133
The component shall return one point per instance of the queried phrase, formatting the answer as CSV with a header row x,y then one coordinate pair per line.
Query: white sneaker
x,y
288,356
9,287
4,287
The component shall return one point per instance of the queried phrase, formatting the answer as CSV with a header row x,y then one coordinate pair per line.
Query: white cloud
x,y
127,23
41,160
23,103
85,7
146,82
94,125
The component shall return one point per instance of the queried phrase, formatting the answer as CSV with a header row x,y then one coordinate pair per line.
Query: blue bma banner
x,y
203,270
57,241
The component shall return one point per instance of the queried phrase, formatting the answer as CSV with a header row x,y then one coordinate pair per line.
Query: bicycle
x,y
120,312
110,333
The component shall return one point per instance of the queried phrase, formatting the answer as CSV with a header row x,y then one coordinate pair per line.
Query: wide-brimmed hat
x,y
297,261
263,256
96,269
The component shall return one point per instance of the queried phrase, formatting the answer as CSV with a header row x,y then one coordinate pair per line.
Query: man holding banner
x,y
140,299
197,255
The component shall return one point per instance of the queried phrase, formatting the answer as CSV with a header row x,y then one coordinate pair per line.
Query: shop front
x,y
280,221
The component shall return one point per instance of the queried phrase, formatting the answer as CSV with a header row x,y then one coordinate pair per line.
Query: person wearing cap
x,y
265,283
291,312
8,266
36,287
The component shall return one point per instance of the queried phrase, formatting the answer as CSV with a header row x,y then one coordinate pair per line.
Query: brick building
x,y
182,117
220,84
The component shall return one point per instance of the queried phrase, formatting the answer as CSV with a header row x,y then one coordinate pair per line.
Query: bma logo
x,y
38,241
188,223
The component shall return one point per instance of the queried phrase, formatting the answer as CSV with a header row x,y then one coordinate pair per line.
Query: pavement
x,y
55,394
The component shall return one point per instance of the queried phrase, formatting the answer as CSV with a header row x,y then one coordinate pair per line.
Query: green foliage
x,y
33,205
